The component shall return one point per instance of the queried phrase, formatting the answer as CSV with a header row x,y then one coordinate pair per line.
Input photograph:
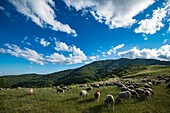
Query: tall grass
x,y
47,100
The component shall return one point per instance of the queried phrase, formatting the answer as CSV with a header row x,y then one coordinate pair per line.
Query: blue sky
x,y
44,36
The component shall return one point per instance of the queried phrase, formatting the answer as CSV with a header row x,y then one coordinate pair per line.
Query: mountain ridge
x,y
91,72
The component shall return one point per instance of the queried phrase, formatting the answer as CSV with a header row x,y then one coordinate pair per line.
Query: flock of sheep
x,y
128,89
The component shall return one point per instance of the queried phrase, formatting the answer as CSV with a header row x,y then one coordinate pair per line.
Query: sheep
x,y
140,91
88,89
147,94
109,101
131,87
133,92
150,83
147,85
96,85
97,96
1,88
65,88
30,92
124,88
150,90
60,90
123,95
168,86
83,93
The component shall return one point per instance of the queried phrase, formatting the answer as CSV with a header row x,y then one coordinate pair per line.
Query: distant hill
x,y
94,71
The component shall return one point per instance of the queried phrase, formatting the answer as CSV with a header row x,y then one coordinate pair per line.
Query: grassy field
x,y
47,100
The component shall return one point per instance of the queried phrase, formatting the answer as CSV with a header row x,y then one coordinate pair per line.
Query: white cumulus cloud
x,y
162,53
61,46
41,12
114,13
75,55
44,43
25,53
150,26
114,49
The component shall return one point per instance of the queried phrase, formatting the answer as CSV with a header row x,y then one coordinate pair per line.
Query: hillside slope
x,y
97,70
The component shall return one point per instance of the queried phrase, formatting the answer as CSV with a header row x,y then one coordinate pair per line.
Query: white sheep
x,y
123,95
147,94
140,91
60,90
133,92
109,101
30,92
97,96
83,93
151,91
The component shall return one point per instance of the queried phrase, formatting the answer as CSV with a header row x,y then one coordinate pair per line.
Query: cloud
x,y
75,54
93,58
145,38
163,53
5,11
25,53
2,8
114,13
73,58
155,23
24,41
41,12
30,67
44,43
61,46
165,41
114,49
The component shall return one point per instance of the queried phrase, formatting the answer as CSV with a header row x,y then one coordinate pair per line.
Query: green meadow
x,y
48,100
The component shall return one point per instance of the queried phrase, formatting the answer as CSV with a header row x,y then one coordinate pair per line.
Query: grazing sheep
x,y
83,93
140,91
123,95
65,88
131,87
147,94
109,100
30,92
97,96
124,88
168,86
150,90
167,80
144,80
88,89
1,88
96,85
150,83
120,85
60,90
147,86
134,93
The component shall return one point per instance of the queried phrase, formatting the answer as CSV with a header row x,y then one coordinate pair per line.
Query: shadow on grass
x,y
24,95
85,100
72,99
95,109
